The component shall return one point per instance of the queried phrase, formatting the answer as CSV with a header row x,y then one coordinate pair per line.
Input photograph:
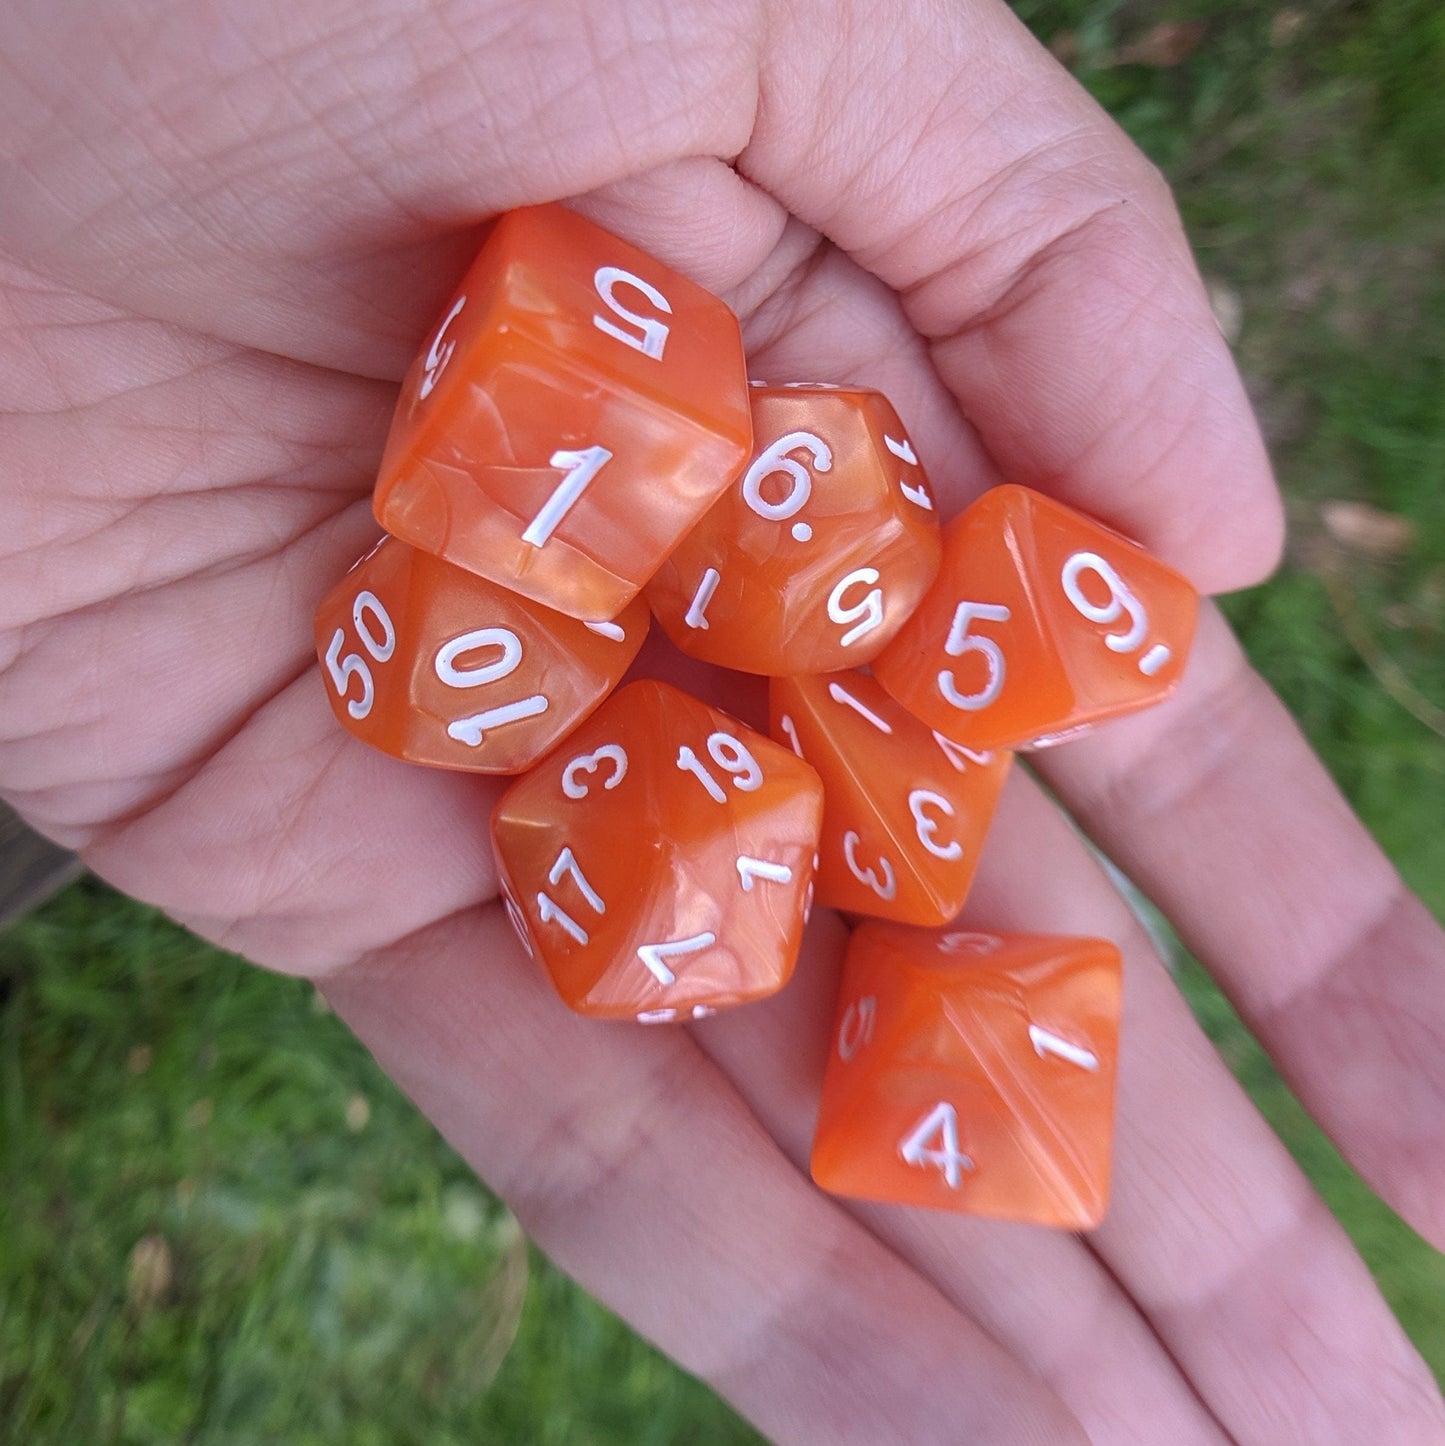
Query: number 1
x,y
580,468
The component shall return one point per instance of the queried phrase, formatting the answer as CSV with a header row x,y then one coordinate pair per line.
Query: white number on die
x,y
612,753
439,354
353,665
473,730
655,956
1122,602
732,756
774,460
856,1028
920,800
553,913
578,469
865,614
885,887
961,641
940,1122
651,334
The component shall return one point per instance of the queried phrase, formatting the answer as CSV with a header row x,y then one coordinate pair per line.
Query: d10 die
x,y
577,409
658,866
973,1072
1041,623
812,560
436,665
906,810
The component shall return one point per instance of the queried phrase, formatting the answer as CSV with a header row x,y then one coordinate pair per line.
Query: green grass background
x,y
219,1223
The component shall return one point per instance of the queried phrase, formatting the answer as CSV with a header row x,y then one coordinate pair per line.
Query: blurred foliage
x,y
219,1223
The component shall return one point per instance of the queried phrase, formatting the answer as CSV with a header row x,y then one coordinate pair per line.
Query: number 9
x,y
1121,600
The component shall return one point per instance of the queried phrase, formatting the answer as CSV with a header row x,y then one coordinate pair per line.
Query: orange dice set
x,y
658,865
973,1072
576,448
816,556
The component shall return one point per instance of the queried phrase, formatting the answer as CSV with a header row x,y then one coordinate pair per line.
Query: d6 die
x,y
436,665
812,560
658,865
973,1072
576,410
1041,623
906,810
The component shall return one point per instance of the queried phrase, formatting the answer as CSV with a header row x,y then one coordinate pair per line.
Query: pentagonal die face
x,y
578,407
973,1072
1041,623
658,865
906,809
814,558
438,666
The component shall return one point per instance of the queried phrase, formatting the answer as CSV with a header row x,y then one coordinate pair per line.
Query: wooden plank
x,y
31,868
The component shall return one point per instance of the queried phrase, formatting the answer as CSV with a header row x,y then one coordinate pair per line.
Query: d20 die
x,y
578,407
658,866
1041,623
973,1072
814,558
905,810
436,665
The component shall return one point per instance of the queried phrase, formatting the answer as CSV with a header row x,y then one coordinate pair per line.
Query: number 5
x,y
961,641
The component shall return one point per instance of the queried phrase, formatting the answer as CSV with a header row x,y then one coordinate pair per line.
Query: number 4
x,y
940,1121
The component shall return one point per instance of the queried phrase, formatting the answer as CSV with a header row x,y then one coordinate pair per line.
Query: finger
x,y
1042,1294
1213,1230
945,150
1217,807
641,1173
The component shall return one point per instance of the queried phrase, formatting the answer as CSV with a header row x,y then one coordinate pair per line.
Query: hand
x,y
224,232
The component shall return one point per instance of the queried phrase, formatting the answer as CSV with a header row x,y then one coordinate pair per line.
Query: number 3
x,y
612,753
887,886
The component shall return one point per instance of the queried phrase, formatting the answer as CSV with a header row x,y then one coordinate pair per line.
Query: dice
x,y
973,1072
436,665
1041,623
658,865
578,407
906,809
814,558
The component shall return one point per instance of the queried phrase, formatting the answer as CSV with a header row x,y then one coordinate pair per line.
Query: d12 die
x,y
812,560
576,410
436,665
906,810
973,1072
1041,623
658,866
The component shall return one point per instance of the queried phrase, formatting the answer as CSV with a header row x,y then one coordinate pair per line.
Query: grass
x,y
219,1223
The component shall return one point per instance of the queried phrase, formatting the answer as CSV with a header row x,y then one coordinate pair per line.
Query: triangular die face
x,y
1120,620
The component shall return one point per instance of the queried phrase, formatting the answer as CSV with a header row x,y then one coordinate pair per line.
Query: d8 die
x,y
906,810
973,1072
436,665
577,409
1041,623
812,560
658,865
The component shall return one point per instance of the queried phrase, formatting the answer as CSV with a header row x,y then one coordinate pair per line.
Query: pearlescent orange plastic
x,y
1041,623
973,1072
905,811
436,665
658,865
576,409
812,560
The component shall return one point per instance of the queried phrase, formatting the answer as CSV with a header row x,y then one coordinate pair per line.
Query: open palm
x,y
223,234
